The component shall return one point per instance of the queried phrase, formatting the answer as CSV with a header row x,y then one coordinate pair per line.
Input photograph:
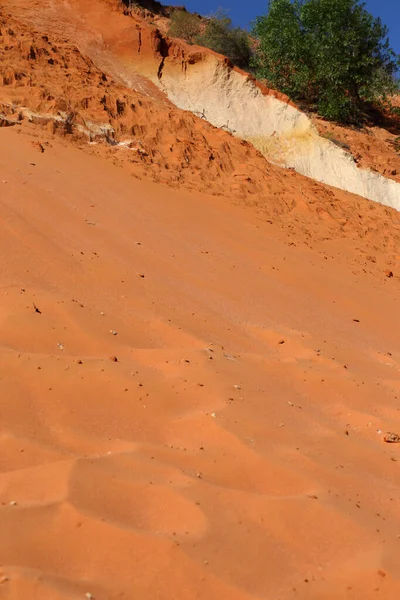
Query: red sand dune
x,y
194,388
212,459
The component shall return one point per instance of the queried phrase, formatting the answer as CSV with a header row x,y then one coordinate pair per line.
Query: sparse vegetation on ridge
x,y
185,25
215,32
222,37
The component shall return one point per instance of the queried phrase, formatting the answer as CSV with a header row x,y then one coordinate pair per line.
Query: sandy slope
x,y
233,449
45,80
135,52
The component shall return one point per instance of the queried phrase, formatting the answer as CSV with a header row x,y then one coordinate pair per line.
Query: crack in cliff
x,y
160,68
163,48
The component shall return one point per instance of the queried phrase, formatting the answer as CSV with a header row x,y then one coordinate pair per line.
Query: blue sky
x,y
242,12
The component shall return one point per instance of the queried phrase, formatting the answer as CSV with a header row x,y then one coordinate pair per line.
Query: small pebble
x,y
114,358
113,332
13,503
392,438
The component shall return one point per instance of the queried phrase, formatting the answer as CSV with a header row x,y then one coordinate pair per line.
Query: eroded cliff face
x,y
138,55
168,75
229,99
45,80
208,86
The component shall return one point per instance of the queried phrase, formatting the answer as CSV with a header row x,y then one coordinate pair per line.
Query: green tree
x,y
233,42
329,53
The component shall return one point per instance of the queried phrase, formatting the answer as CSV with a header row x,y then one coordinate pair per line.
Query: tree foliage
x,y
222,37
184,25
330,53
215,32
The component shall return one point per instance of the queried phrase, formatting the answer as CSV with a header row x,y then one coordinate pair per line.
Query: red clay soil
x,y
372,147
195,386
51,77
131,47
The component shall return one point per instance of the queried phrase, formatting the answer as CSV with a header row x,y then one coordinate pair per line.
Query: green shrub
x,y
215,32
232,42
184,25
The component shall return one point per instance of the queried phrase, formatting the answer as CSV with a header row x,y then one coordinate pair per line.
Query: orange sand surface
x,y
193,405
